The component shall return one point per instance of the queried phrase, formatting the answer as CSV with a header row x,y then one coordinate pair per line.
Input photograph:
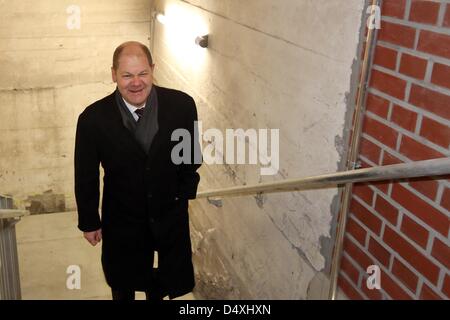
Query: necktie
x,y
140,113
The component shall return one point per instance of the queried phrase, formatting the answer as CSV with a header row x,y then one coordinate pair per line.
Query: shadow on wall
x,y
48,202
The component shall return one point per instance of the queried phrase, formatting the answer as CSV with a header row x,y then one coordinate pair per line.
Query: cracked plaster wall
x,y
270,64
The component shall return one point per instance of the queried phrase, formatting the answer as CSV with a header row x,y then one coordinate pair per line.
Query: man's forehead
x,y
134,58
132,55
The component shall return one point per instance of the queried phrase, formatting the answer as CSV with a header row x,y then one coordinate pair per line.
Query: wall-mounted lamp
x,y
202,41
182,29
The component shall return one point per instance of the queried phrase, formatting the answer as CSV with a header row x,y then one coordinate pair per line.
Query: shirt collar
x,y
131,107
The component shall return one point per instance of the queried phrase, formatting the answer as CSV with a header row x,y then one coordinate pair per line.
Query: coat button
x,y
149,195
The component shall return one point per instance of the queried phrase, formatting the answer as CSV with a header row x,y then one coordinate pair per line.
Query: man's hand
x,y
93,237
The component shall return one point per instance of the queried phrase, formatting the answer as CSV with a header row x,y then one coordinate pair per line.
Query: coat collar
x,y
122,134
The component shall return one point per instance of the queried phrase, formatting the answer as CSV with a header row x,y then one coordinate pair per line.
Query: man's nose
x,y
135,81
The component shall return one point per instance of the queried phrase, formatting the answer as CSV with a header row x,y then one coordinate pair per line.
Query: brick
x,y
393,8
350,270
446,286
388,84
370,150
416,151
348,289
414,231
364,165
380,253
382,186
366,217
441,251
360,257
363,192
422,210
425,186
447,17
389,159
430,100
424,11
445,201
435,132
441,75
428,294
405,275
413,66
404,118
397,34
356,231
385,57
372,294
380,131
392,288
416,259
434,43
377,105
387,210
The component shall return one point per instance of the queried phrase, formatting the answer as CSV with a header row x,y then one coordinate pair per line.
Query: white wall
x,y
270,64
49,75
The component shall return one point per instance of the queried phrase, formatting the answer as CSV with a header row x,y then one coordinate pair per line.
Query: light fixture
x,y
202,41
183,30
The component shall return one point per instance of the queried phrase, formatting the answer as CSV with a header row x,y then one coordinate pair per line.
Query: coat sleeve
x,y
87,193
188,178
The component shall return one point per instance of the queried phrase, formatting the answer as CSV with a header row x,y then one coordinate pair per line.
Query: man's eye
x,y
126,76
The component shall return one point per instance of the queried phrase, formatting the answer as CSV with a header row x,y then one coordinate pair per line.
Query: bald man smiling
x,y
145,199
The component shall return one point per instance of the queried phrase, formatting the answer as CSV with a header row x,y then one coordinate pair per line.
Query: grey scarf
x,y
145,130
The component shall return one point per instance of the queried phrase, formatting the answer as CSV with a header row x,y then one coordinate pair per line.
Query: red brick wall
x,y
404,227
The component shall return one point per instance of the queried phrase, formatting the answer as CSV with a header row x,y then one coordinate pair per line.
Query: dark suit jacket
x,y
145,196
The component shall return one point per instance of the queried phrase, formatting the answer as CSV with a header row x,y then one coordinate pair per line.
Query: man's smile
x,y
136,91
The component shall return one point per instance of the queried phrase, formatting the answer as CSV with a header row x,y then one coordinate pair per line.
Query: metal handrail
x,y
434,167
13,213
9,261
425,168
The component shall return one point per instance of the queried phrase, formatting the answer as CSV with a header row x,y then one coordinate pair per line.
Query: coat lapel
x,y
162,124
117,130
125,137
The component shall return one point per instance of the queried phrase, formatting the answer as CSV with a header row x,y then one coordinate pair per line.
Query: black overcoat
x,y
145,195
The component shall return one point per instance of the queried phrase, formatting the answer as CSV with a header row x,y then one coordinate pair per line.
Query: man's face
x,y
134,77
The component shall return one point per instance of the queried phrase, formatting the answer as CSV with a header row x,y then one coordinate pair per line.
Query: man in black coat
x,y
145,192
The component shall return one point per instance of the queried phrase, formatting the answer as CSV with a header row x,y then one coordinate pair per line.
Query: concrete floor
x,y
47,245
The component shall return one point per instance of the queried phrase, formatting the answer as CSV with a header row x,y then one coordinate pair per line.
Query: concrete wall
x,y
50,73
284,65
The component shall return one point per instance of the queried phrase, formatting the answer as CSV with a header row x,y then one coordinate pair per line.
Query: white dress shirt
x,y
133,109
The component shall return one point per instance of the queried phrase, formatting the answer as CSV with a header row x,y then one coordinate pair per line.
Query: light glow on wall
x,y
161,18
181,27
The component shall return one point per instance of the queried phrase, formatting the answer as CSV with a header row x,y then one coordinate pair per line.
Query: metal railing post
x,y
351,161
9,261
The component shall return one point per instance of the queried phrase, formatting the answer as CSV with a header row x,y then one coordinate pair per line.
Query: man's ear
x,y
113,75
152,67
